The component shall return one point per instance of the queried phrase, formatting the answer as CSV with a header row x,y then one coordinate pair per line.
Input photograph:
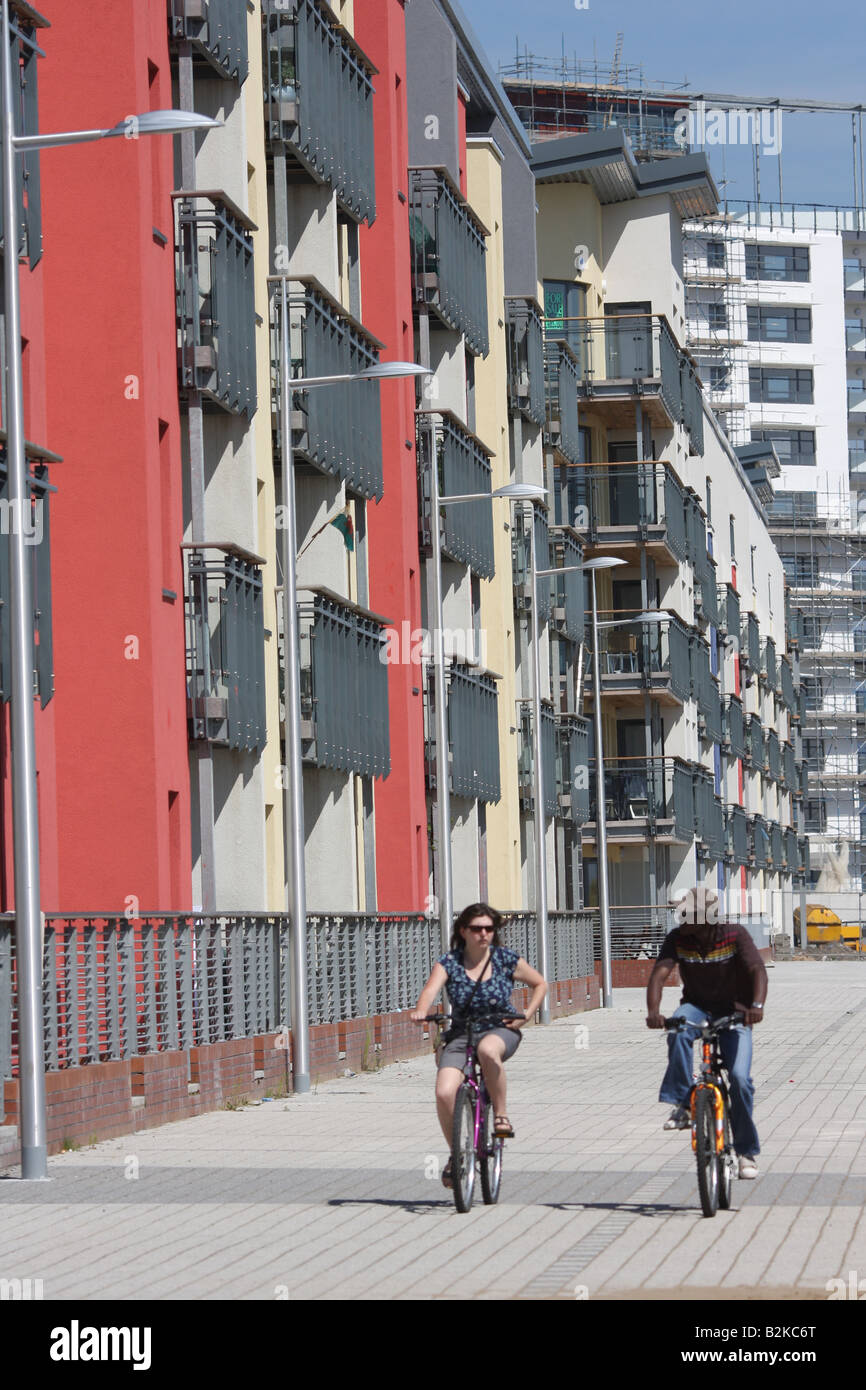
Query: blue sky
x,y
803,48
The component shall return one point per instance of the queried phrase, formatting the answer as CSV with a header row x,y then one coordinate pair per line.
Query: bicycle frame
x,y
711,1079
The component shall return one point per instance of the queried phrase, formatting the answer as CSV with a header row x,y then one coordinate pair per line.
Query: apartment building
x,y
699,707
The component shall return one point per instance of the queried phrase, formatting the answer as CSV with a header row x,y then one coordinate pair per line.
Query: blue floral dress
x,y
492,994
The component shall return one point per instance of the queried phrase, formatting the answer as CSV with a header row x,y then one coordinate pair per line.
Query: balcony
x,y
569,614
344,685
560,384
733,730
525,359
36,528
473,734
25,23
572,767
803,856
319,99
856,396
627,358
774,756
521,546
703,564
706,691
759,843
526,761
737,836
217,32
339,430
791,851
645,797
755,754
750,647
637,504
770,669
786,684
789,767
777,854
225,647
449,267
464,467
692,416
729,603
645,657
216,300
709,817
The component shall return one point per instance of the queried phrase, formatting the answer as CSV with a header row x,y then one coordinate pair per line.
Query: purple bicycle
x,y
472,1137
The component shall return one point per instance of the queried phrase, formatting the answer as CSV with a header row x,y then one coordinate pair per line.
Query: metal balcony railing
x,y
572,767
737,832
692,408
755,752
733,729
526,761
770,668
774,756
35,525
561,385
521,561
225,647
318,93
786,684
777,855
569,600
344,685
703,564
449,273
795,627
643,655
473,734
636,933
705,687
525,358
24,25
709,816
750,647
628,355
217,31
643,502
338,430
216,300
759,842
789,767
791,851
464,467
803,856
729,603
646,796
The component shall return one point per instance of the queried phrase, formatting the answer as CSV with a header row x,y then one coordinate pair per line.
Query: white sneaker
x,y
679,1118
748,1167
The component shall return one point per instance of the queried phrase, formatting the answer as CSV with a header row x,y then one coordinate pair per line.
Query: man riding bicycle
x,y
722,973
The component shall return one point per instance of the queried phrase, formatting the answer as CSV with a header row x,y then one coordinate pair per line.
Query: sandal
x,y
447,1180
502,1127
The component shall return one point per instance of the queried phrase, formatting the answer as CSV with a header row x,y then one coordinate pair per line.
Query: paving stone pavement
x,y
336,1195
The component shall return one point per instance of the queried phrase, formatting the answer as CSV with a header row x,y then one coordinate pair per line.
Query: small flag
x,y
343,523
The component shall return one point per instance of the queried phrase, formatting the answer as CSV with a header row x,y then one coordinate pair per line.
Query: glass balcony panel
x,y
448,256
525,359
464,467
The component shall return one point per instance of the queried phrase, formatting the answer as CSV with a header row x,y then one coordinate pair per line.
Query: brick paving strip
x,y
336,1195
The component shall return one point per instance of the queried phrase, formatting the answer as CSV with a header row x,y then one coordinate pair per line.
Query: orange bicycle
x,y
710,1107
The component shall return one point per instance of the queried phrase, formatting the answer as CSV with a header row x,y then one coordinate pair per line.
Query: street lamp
x,y
516,492
25,824
598,563
293,802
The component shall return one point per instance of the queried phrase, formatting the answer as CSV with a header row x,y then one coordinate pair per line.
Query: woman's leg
x,y
448,1082
491,1051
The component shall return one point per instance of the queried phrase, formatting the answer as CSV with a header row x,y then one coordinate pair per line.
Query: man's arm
x,y
660,972
753,1010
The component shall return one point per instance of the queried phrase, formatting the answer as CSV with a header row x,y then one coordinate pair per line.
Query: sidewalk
x,y
336,1195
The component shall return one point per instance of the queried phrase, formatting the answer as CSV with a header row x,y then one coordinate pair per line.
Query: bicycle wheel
x,y
705,1136
491,1158
726,1163
463,1148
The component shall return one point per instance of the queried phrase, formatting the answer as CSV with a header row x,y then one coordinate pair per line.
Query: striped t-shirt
x,y
718,965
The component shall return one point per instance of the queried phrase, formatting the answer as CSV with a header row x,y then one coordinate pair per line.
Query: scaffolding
x,y
716,320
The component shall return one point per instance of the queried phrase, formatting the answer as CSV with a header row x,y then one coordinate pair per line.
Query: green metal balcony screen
x,y
464,467
755,743
36,528
473,734
525,359
638,496
560,384
760,843
771,667
706,690
731,614
774,756
733,729
319,99
217,30
777,857
449,259
750,651
789,766
344,687
709,816
526,764
25,102
216,301
572,764
522,561
338,430
786,684
702,562
225,648
792,857
692,415
737,835
570,594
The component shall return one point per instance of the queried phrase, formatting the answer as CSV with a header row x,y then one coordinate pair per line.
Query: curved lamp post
x,y
28,917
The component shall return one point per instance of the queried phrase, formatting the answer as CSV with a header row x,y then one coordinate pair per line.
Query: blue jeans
x,y
735,1046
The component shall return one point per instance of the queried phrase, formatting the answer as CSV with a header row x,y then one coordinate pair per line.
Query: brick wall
x,y
112,1098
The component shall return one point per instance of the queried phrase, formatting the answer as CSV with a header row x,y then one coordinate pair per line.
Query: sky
x,y
788,48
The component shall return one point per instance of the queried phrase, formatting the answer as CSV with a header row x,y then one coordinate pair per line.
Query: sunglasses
x,y
474,926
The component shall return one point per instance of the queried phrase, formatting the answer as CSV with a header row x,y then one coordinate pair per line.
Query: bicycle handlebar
x,y
712,1025
500,1014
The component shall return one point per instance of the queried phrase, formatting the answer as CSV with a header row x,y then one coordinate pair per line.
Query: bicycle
x,y
472,1137
710,1108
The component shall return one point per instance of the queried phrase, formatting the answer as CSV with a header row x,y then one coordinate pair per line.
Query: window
x,y
709,503
715,255
812,633
854,332
816,816
778,325
794,447
720,378
717,316
564,306
854,272
769,262
813,752
801,571
813,691
782,385
752,549
733,556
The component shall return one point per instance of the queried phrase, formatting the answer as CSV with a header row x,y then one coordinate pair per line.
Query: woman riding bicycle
x,y
479,975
